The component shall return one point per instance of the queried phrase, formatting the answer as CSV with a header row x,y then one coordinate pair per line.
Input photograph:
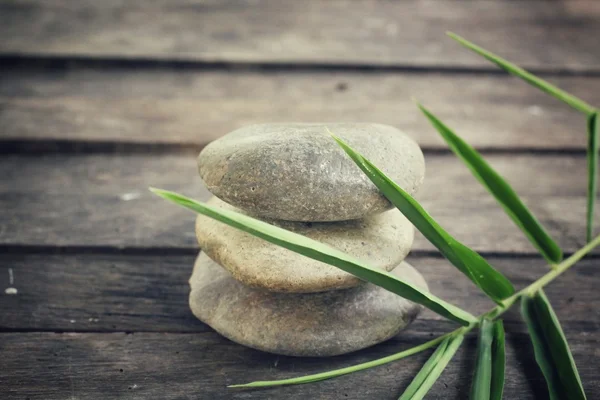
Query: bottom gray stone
x,y
315,324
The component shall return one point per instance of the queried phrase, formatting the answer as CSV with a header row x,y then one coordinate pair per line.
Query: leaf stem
x,y
556,270
562,267
491,314
354,368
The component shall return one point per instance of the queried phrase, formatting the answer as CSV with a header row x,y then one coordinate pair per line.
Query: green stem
x,y
562,267
491,314
554,272
348,370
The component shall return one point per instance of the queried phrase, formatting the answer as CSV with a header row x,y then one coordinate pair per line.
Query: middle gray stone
x,y
381,241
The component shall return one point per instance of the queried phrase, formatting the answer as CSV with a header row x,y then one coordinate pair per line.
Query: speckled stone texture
x,y
295,176
318,324
297,172
381,240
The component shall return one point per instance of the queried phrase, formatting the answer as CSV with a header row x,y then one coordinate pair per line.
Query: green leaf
x,y
592,157
418,380
551,349
482,381
343,371
500,189
432,370
488,382
498,362
533,80
321,252
470,263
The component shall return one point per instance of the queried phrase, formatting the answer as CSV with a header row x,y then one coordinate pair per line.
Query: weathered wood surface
x,y
94,255
101,292
369,32
96,105
53,366
103,200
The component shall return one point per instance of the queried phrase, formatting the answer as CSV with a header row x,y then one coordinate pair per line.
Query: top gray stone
x,y
297,172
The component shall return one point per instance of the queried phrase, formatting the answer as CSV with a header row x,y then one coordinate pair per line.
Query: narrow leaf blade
x,y
551,349
470,263
321,252
498,362
533,80
500,189
482,380
435,372
541,349
418,380
561,353
592,158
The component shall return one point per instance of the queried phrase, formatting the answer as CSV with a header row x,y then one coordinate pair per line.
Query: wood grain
x,y
189,108
199,366
103,201
100,266
541,34
100,292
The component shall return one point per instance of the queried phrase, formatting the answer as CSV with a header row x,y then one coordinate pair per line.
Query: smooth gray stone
x,y
381,241
315,325
297,172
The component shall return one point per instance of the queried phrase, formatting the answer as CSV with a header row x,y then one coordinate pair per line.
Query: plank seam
x,y
70,61
11,249
74,146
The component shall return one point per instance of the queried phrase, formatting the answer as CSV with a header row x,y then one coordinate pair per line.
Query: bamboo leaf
x,y
482,381
498,362
343,371
470,263
500,189
551,349
533,80
592,157
418,380
321,252
433,369
488,381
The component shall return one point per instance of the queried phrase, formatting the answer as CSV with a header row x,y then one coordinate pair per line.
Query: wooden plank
x,y
114,293
540,34
199,366
97,292
102,200
189,108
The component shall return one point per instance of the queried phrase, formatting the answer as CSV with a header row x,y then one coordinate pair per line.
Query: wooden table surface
x,y
101,99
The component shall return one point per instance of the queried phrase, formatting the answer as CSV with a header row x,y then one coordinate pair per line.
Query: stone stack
x,y
296,177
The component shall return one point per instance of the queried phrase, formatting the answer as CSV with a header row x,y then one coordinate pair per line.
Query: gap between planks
x,y
73,146
58,61
158,251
